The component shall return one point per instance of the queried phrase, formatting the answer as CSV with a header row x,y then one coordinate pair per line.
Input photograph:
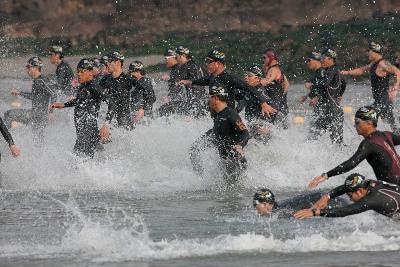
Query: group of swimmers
x,y
262,94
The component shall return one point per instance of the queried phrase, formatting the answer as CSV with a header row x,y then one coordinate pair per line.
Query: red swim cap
x,y
270,55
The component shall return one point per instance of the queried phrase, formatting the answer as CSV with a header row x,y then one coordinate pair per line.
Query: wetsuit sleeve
x,y
6,134
202,81
237,83
70,103
326,80
362,152
242,133
149,96
27,95
355,208
336,192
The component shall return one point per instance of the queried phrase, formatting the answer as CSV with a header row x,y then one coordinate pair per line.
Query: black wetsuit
x,y
42,95
228,131
253,114
176,94
118,94
195,94
236,92
64,75
380,93
378,149
86,112
314,132
287,207
328,87
381,197
143,96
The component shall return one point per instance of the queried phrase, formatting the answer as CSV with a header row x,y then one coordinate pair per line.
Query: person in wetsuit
x,y
276,85
259,125
42,95
328,87
189,70
64,73
117,87
175,99
143,96
378,148
265,204
86,110
236,88
229,135
380,71
219,77
314,65
317,72
379,196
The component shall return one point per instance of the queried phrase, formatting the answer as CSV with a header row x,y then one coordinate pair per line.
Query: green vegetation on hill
x,y
243,49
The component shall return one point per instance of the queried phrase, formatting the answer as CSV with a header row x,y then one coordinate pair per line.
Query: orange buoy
x,y
347,109
298,120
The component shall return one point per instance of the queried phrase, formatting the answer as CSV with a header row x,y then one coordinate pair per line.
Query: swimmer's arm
x,y
387,67
27,95
355,208
358,71
271,76
362,152
70,103
336,192
6,134
202,81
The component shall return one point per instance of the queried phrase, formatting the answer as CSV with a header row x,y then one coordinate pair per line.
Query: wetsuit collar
x,y
219,74
368,136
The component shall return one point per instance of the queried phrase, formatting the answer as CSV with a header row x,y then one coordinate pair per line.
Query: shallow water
x,y
139,203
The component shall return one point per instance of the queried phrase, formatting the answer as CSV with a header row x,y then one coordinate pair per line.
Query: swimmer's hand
x,y
317,180
185,82
15,151
322,202
308,85
165,77
15,92
267,110
104,132
306,213
138,115
239,149
313,102
57,105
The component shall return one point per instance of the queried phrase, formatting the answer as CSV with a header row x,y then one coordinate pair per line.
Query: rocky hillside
x,y
77,21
